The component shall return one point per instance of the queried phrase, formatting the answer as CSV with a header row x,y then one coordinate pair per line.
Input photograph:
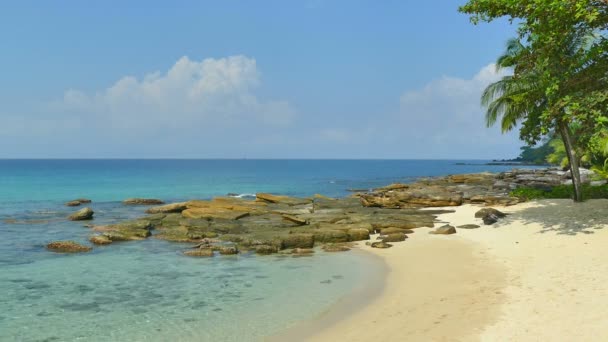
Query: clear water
x,y
148,291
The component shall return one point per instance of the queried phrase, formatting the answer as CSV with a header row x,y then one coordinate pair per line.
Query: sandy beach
x,y
538,275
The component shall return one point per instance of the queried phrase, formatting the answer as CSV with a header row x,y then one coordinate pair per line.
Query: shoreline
x,y
538,274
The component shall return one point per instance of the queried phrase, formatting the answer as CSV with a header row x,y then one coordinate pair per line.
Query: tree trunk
x,y
573,160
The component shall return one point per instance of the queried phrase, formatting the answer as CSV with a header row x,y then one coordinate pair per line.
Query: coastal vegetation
x,y
558,82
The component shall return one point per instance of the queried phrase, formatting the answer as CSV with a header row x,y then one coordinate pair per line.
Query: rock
x,y
357,234
228,250
298,241
100,240
487,211
490,219
336,247
82,214
168,208
67,247
291,201
214,213
77,202
142,201
265,249
444,230
126,231
412,198
394,237
381,244
330,235
201,252
469,226
295,220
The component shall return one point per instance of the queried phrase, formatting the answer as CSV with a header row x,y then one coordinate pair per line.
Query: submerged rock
x,y
142,201
67,247
444,230
201,252
336,247
82,214
100,240
77,202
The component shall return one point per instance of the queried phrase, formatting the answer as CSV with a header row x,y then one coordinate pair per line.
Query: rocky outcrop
x,y
298,241
444,230
266,249
290,201
77,202
168,208
126,231
142,201
82,214
67,247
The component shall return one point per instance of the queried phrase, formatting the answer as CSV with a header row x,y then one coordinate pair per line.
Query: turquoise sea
x,y
149,291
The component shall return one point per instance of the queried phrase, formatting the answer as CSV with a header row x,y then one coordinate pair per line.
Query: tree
x,y
560,69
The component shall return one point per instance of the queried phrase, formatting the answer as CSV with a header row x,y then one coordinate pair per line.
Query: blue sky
x,y
233,79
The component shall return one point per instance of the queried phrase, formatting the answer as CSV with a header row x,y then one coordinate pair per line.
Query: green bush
x,y
560,191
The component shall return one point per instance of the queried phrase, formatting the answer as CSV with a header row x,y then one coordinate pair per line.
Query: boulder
x,y
100,240
67,247
444,230
142,201
357,234
489,211
200,252
490,219
336,247
82,214
168,208
394,237
381,244
298,241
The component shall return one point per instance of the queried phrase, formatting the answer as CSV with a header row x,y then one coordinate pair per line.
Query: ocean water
x,y
149,291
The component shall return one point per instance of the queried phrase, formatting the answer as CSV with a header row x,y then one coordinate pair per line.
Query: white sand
x,y
540,274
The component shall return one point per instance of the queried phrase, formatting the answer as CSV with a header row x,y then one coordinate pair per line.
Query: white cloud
x,y
445,119
212,92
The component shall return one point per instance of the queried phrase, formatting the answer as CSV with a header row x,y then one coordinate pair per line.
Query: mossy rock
x,y
358,234
100,240
67,247
200,252
82,214
330,235
266,249
392,230
228,250
298,241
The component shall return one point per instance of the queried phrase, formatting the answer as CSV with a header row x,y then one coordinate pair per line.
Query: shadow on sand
x,y
563,216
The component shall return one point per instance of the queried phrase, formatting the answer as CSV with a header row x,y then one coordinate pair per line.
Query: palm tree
x,y
521,97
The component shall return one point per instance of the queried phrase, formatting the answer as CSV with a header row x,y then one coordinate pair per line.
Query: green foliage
x,y
560,191
558,156
535,155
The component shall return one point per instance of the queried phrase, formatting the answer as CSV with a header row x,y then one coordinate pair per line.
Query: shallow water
x,y
147,290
